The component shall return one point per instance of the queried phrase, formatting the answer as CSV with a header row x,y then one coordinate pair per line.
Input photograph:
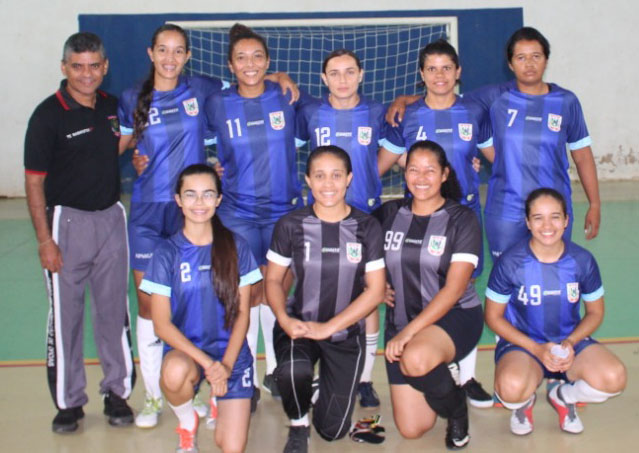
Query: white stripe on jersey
x,y
278,259
465,258
375,265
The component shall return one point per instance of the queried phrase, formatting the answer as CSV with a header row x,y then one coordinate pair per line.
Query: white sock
x,y
514,406
150,351
251,338
186,415
467,366
302,421
267,321
581,392
369,358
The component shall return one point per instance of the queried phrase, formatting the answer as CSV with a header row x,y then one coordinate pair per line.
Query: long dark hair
x,y
527,34
141,113
239,32
225,275
450,188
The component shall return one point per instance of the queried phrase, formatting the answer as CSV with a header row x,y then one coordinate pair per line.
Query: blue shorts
x,y
503,233
503,347
239,385
149,223
257,233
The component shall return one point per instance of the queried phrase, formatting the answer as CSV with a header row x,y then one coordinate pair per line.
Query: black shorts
x,y
463,326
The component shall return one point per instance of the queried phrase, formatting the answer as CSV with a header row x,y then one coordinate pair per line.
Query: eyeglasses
x,y
190,197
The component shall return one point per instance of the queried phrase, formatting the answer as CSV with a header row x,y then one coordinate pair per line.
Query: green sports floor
x,y
24,303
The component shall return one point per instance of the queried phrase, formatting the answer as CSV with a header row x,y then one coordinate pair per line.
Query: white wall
x,y
594,45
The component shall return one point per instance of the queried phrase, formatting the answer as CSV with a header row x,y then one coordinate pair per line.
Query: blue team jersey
x,y
359,132
174,136
182,271
543,298
460,130
530,135
255,140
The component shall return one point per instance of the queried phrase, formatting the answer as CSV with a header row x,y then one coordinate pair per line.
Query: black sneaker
x,y
270,386
297,439
367,395
457,433
66,420
119,413
477,396
255,398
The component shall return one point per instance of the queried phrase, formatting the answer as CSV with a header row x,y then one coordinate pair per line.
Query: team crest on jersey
x,y
572,292
364,135
115,125
191,107
554,122
436,245
465,131
354,252
277,120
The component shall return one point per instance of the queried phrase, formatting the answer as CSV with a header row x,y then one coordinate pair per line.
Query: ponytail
x,y
450,188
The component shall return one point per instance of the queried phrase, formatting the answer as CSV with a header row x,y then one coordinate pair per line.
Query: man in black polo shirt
x,y
73,190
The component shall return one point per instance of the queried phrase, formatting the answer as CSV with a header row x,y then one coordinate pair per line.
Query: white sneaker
x,y
200,406
569,421
148,416
521,420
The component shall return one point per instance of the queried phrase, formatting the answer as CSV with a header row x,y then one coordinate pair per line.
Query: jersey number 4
x,y
535,295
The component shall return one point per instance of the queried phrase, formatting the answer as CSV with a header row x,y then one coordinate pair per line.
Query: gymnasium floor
x,y
26,409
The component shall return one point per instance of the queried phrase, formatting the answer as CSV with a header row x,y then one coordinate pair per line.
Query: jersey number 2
x,y
185,272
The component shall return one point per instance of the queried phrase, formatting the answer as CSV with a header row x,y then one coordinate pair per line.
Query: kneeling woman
x,y
432,246
199,281
335,251
532,303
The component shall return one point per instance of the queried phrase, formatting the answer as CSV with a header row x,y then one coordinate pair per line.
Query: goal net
x,y
387,47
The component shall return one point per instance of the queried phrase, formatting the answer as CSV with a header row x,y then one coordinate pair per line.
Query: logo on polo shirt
x,y
277,120
364,135
436,245
465,131
354,252
190,107
115,124
554,122
572,292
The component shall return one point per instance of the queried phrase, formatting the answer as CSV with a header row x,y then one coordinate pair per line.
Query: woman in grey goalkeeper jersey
x,y
335,251
431,245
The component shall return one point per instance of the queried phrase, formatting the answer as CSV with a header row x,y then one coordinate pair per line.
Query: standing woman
x,y
532,303
335,251
356,124
253,125
461,127
432,246
164,119
532,122
199,283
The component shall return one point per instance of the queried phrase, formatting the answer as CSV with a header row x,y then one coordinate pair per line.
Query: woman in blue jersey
x,y
335,251
199,283
356,124
434,318
532,303
164,119
461,128
253,125
532,123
